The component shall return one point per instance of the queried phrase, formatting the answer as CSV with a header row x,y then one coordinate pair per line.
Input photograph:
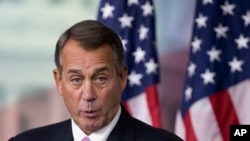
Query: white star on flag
x,y
134,79
228,8
196,44
126,21
246,18
143,32
201,21
107,11
124,43
191,69
242,42
205,2
147,9
214,54
188,93
208,77
131,2
151,66
235,65
221,31
139,54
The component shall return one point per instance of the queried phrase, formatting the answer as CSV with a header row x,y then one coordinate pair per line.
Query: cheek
x,y
111,98
71,98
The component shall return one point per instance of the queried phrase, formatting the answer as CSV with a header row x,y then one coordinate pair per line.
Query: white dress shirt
x,y
99,135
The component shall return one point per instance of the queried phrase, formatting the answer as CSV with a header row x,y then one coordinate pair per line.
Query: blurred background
x,y
29,30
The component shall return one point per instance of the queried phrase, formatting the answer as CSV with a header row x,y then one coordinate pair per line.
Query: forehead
x,y
88,47
74,54
74,47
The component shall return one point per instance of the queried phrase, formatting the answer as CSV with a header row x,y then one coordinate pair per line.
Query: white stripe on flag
x,y
138,107
204,122
179,126
240,97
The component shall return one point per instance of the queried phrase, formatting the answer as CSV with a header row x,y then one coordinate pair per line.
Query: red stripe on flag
x,y
224,112
154,106
125,105
190,135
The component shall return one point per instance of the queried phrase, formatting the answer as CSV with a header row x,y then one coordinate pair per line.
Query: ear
x,y
58,80
123,77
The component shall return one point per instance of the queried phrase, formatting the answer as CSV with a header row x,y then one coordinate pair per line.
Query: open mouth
x,y
91,113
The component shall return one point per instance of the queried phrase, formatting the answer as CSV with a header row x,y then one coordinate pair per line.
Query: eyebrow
x,y
74,71
101,69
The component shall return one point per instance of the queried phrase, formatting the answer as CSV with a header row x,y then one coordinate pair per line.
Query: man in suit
x,y
90,75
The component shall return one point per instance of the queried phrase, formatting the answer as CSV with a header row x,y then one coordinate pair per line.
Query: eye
x,y
76,81
101,80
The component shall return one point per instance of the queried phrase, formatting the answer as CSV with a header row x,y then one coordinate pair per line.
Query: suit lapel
x,y
124,129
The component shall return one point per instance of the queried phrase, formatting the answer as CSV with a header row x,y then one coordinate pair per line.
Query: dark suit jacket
x,y
127,129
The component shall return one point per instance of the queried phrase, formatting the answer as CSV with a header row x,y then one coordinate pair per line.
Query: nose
x,y
88,92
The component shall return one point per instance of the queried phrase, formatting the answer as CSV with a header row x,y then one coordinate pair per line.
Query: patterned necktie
x,y
86,139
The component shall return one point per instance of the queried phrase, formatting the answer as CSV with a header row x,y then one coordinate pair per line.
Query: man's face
x,y
90,85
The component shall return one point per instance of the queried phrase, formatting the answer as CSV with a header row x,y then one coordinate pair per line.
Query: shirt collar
x,y
99,135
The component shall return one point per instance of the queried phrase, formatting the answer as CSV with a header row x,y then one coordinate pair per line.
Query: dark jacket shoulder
x,y
131,129
57,131
147,132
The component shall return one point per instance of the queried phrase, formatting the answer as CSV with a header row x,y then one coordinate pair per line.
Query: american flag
x,y
217,89
133,21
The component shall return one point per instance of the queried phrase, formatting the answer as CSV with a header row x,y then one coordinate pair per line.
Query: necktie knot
x,y
86,139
